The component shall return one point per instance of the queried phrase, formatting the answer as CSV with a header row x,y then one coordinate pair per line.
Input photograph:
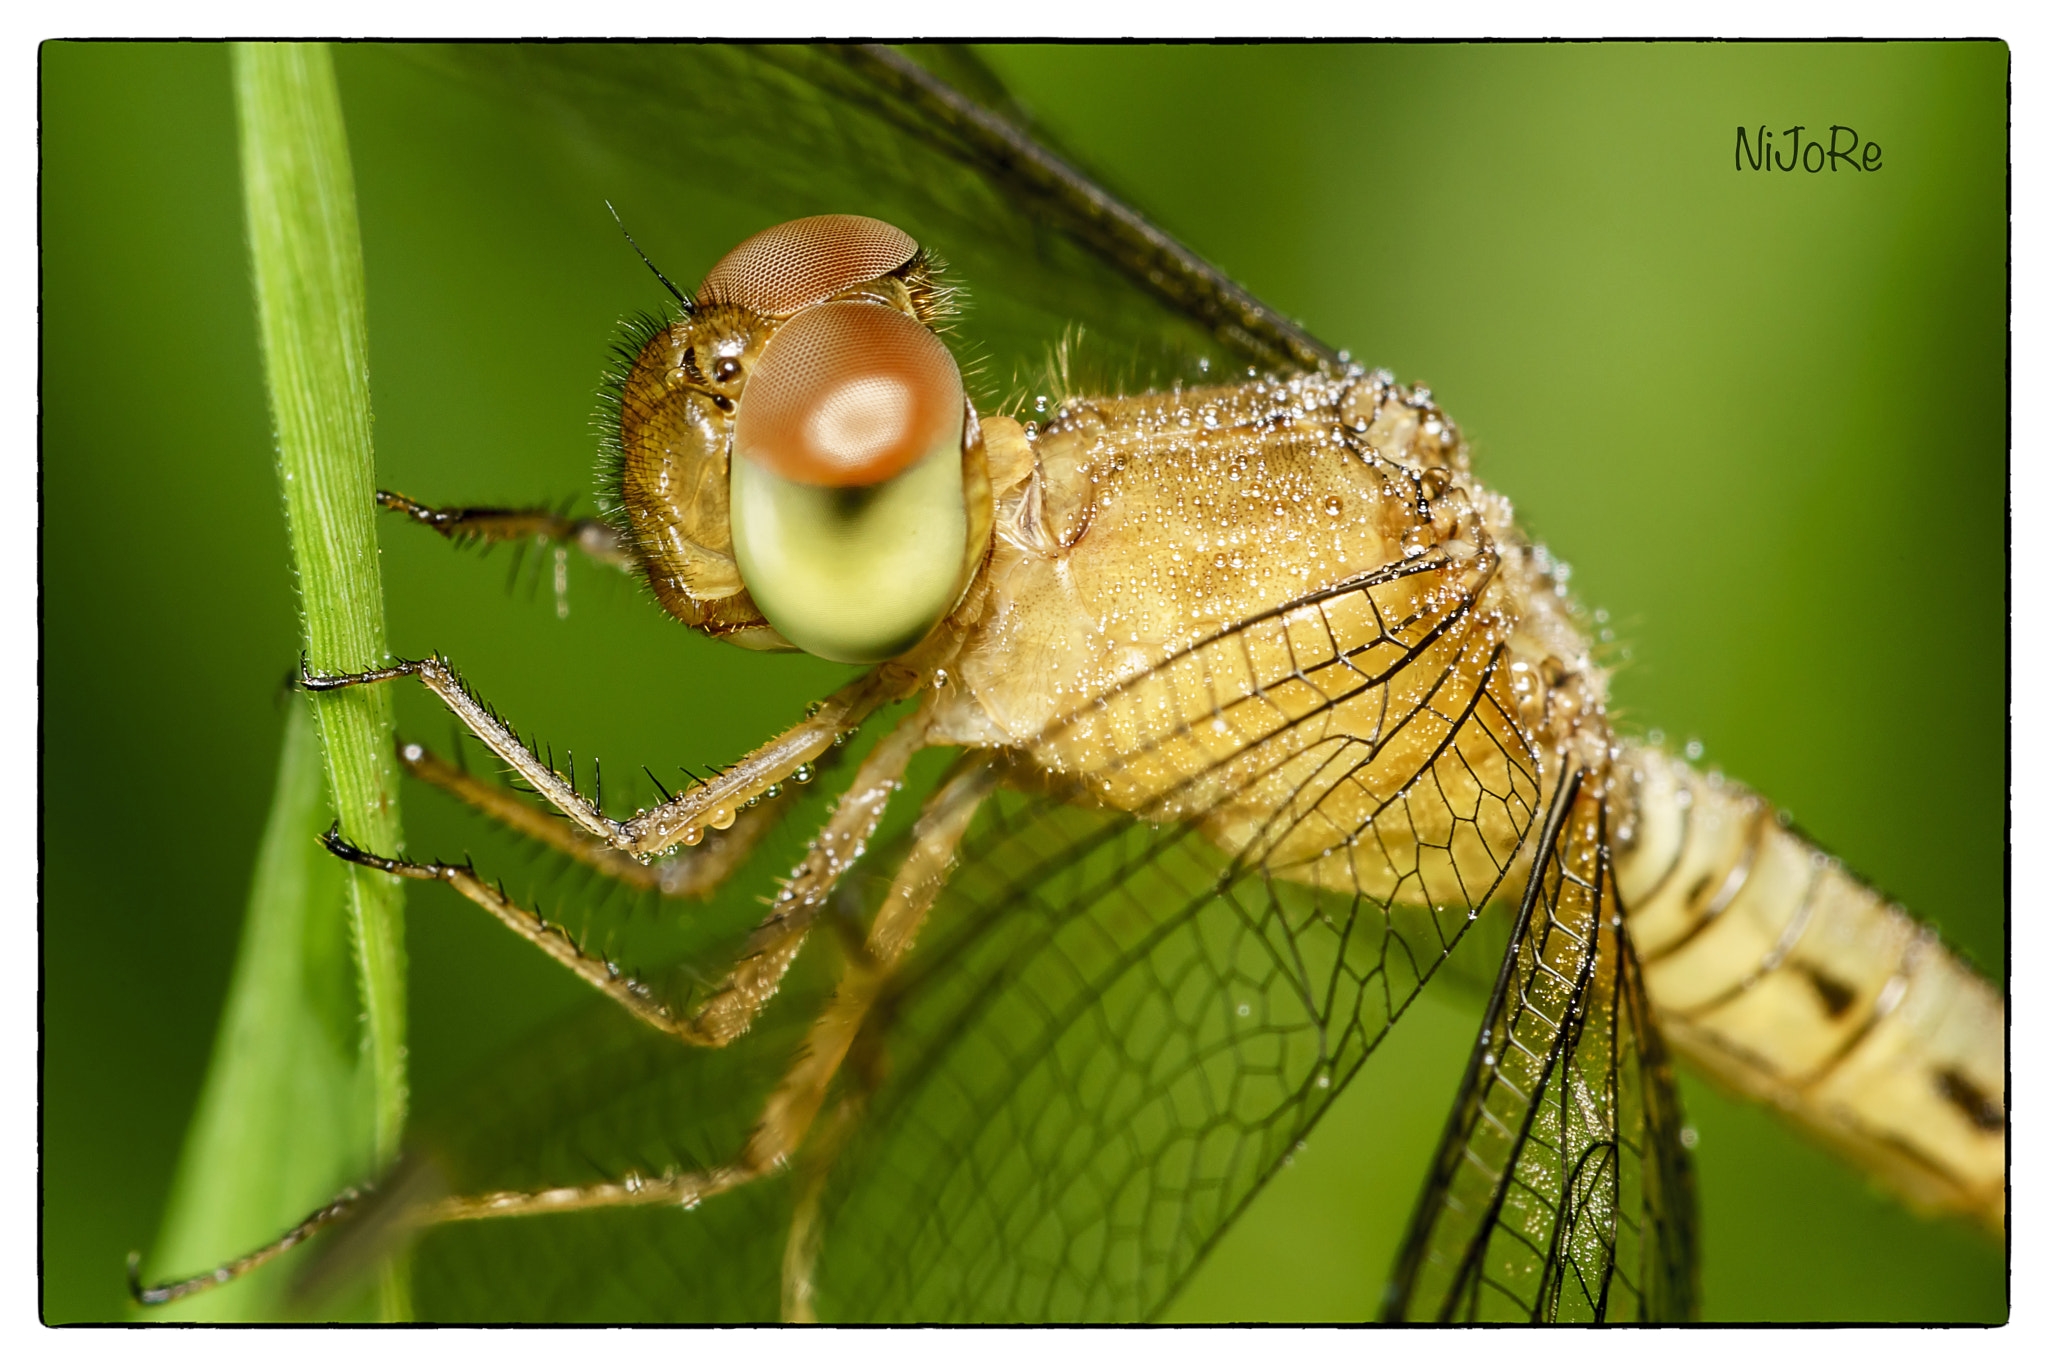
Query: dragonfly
x,y
1569,833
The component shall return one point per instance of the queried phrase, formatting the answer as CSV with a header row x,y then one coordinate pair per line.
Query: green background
x,y
1763,416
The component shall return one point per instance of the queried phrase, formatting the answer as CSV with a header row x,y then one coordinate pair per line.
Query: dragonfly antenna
x,y
687,305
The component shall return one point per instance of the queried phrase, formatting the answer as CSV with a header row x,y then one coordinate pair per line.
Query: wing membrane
x,y
1110,1043
1560,1192
603,1098
1116,1026
736,136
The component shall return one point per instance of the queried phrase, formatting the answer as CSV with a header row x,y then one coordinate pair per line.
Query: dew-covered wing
x,y
1561,1191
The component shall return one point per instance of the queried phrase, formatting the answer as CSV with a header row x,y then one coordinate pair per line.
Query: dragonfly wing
x,y
601,1098
736,132
1113,1032
1561,1191
1106,1042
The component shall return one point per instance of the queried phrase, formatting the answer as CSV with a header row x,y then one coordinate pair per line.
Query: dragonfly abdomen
x,y
1784,976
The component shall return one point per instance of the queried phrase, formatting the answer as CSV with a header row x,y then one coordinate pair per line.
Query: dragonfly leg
x,y
553,940
794,1105
682,819
696,875
769,950
490,525
774,943
687,1189
165,1292
791,1109
727,1014
806,1229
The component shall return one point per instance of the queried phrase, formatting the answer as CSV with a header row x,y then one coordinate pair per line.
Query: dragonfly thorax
x,y
1221,604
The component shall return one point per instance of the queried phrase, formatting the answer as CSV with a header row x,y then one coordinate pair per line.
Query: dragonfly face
x,y
571,722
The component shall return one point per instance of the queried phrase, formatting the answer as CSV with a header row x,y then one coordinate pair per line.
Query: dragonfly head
x,y
797,464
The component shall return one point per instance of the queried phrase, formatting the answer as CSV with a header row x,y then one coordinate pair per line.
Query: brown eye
x,y
726,371
847,395
796,264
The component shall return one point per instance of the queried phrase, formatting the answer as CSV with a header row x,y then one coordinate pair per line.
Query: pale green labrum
x,y
856,575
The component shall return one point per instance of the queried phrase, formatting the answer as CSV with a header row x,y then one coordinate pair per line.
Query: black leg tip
x,y
314,682
342,849
141,1294
335,844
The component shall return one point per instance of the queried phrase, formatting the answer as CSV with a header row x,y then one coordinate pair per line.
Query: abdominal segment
x,y
1776,970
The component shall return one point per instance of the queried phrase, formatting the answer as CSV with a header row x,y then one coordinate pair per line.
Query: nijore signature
x,y
1793,154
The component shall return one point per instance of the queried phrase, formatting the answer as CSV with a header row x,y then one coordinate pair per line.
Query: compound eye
x,y
848,500
793,265
847,395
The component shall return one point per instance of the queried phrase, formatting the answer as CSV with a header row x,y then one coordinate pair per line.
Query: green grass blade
x,y
299,199
308,259
283,1120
